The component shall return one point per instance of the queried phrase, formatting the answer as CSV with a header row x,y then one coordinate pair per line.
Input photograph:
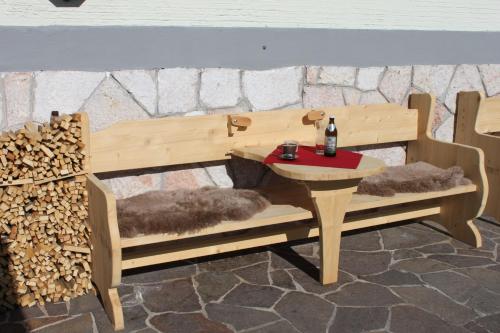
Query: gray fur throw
x,y
184,211
412,178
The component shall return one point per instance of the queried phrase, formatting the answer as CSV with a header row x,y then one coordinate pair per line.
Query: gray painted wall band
x,y
112,48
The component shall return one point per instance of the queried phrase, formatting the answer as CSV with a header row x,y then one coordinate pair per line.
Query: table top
x,y
367,167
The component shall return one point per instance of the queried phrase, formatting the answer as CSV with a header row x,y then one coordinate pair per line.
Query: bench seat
x,y
278,213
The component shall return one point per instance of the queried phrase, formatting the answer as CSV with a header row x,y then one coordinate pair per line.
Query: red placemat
x,y
306,156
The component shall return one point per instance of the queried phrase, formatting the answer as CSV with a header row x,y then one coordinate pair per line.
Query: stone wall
x,y
109,97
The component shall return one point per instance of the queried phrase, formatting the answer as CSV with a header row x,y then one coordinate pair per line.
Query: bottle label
x,y
330,144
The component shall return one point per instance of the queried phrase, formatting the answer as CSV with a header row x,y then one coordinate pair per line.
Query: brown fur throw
x,y
185,210
414,177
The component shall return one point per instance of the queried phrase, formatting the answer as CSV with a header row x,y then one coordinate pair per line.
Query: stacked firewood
x,y
43,152
44,234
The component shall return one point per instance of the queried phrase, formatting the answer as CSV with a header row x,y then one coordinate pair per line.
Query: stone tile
x,y
84,304
177,90
12,328
277,327
491,78
220,87
473,327
234,261
462,261
218,174
466,78
131,299
361,241
391,155
363,294
351,95
65,91
278,262
313,285
409,319
256,274
253,296
484,301
191,178
178,295
18,98
135,317
157,275
403,237
142,85
323,96
456,286
395,83
80,324
436,248
212,285
312,74
372,97
445,131
281,278
264,94
56,309
128,186
307,249
20,314
364,263
487,278
240,108
392,278
433,79
36,323
434,302
357,320
337,75
239,317
491,323
109,104
405,254
368,77
308,313
441,114
188,322
420,265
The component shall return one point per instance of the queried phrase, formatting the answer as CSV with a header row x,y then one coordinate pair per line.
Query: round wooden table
x,y
331,191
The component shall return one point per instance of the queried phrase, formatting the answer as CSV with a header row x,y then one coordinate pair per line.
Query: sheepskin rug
x,y
183,211
412,178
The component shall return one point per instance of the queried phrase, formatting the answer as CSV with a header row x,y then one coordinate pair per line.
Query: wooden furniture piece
x,y
179,140
477,121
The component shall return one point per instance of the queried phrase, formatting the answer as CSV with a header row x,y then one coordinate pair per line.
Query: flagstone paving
x,y
406,278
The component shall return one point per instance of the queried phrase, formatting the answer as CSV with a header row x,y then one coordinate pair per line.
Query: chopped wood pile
x,y
44,233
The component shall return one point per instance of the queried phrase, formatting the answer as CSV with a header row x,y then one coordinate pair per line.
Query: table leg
x,y
330,205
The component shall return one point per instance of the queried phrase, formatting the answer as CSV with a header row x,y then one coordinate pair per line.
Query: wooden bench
x,y
477,121
179,140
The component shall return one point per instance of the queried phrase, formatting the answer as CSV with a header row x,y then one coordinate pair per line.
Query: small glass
x,y
320,138
289,149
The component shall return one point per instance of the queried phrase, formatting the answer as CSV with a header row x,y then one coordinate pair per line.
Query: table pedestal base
x,y
330,201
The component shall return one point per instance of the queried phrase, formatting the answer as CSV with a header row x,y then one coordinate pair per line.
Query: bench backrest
x,y
179,140
488,118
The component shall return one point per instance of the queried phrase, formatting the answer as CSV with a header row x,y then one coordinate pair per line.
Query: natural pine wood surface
x,y
476,117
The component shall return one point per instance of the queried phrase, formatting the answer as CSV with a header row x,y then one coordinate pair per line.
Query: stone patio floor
x,y
406,278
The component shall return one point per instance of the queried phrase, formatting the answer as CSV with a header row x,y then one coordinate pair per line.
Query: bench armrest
x,y
106,253
446,154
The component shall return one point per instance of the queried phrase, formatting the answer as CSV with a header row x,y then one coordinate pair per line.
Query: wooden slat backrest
x,y
488,118
178,140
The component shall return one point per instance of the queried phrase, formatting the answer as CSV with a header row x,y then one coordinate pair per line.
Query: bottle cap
x,y
332,117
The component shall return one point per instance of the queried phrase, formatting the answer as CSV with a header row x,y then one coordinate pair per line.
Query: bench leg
x,y
113,307
330,210
457,217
